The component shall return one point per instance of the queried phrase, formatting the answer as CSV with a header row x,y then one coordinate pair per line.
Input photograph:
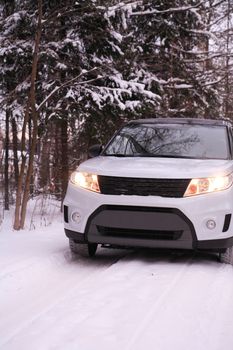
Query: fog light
x,y
76,217
210,224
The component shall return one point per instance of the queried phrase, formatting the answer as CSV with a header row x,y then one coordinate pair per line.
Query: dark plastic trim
x,y
215,244
143,209
192,121
76,236
227,222
65,210
95,150
207,245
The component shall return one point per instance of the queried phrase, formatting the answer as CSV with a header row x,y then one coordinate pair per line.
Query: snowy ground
x,y
120,300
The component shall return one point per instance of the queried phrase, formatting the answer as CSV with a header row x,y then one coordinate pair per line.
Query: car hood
x,y
156,167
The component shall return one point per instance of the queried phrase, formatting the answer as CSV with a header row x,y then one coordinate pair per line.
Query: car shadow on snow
x,y
113,255
178,256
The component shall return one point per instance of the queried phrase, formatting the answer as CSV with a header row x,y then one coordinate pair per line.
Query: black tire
x,y
83,249
227,256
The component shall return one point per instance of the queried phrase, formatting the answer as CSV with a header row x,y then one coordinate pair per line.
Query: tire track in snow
x,y
192,311
141,300
92,306
62,266
219,308
149,316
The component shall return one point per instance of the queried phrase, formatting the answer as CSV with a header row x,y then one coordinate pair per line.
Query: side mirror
x,y
94,151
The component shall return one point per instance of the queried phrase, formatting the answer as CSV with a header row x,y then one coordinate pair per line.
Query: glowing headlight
x,y
85,180
209,184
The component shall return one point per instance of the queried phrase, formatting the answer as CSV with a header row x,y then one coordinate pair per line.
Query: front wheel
x,y
83,249
227,256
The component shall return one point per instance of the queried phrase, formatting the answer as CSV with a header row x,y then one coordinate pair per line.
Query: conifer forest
x,y
72,72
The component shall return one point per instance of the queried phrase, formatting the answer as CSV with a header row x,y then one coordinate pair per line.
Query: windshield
x,y
170,140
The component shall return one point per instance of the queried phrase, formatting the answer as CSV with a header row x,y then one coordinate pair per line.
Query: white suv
x,y
159,183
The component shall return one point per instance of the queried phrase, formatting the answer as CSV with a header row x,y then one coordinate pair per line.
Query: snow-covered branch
x,y
217,81
14,91
170,10
211,57
201,32
111,10
67,83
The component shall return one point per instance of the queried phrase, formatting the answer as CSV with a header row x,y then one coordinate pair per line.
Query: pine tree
x,y
101,63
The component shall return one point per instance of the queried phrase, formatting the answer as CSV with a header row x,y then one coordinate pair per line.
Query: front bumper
x,y
155,222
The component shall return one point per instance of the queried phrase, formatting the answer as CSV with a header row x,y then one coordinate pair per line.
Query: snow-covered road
x,y
121,299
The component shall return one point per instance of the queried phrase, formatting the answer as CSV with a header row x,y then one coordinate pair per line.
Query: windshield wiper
x,y
151,155
148,155
116,155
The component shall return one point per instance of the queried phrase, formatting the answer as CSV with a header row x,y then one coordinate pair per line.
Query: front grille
x,y
139,234
143,187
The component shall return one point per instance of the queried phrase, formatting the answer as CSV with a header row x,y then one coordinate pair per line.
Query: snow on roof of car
x,y
194,121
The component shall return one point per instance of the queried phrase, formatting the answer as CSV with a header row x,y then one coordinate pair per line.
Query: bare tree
x,y
30,112
31,118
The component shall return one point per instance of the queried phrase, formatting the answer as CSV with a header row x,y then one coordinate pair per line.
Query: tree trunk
x,y
56,171
6,168
15,149
64,156
29,170
44,170
227,80
30,143
21,204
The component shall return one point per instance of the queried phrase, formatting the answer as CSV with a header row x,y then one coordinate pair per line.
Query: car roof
x,y
191,121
